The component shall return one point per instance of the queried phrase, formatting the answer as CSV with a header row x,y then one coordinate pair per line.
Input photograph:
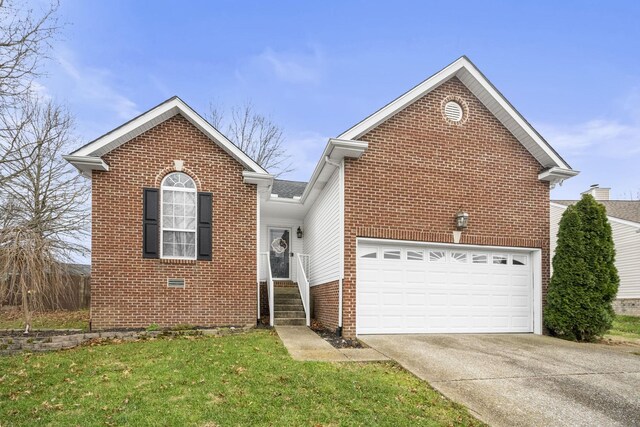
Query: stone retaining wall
x,y
16,344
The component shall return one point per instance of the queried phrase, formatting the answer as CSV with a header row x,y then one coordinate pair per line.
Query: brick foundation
x,y
324,302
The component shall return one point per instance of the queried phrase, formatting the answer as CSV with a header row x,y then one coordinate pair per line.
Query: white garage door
x,y
436,289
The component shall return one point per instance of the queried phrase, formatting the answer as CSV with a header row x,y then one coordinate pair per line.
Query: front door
x,y
279,252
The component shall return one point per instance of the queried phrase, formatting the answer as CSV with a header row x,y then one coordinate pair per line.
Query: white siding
x,y
556,215
297,245
627,242
322,230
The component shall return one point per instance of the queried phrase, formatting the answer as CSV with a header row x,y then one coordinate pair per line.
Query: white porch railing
x,y
270,290
302,265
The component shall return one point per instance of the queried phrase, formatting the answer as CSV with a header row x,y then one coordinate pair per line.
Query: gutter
x,y
345,148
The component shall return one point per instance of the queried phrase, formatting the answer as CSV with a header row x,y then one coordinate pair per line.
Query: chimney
x,y
597,192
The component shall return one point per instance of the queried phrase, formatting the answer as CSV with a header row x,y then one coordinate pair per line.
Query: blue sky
x,y
572,68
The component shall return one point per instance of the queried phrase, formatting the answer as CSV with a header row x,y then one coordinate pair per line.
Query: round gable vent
x,y
453,111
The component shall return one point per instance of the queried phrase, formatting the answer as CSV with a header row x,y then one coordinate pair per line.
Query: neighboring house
x,y
186,226
624,217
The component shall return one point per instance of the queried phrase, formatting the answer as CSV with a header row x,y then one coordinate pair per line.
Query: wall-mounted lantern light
x,y
462,220
299,233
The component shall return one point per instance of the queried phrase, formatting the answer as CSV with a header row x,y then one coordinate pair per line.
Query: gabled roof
x,y
495,102
88,158
288,189
628,210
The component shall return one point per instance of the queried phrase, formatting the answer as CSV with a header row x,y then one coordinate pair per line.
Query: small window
x,y
369,253
437,256
175,283
458,257
414,255
391,254
499,259
479,258
519,260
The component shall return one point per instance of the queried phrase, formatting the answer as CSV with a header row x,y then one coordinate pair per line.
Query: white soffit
x,y
153,117
482,88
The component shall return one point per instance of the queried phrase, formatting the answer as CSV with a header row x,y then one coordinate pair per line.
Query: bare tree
x,y
255,134
45,214
24,40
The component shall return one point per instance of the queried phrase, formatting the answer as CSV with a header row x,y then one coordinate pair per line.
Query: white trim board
x,y
482,88
153,117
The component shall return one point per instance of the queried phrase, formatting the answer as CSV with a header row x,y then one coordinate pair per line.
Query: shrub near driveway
x,y
246,379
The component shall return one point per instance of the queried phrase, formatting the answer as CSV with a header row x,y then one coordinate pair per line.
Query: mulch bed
x,y
332,338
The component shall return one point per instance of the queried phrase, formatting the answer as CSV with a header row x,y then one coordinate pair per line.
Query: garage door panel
x,y
440,293
368,299
416,276
391,276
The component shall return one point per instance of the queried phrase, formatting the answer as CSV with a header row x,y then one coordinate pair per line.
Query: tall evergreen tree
x,y
585,279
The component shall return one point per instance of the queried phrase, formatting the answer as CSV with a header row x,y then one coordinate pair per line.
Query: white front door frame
x,y
536,265
277,227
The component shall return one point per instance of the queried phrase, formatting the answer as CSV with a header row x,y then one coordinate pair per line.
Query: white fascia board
x,y
515,115
557,175
345,148
402,101
610,218
86,164
156,115
342,148
260,179
285,201
436,80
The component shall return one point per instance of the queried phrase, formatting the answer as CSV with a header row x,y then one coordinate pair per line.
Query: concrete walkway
x,y
524,380
305,345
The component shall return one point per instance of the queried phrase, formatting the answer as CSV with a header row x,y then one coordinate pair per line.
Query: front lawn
x,y
60,319
626,326
245,379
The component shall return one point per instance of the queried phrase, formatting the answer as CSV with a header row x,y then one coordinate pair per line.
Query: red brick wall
x,y
325,304
419,170
130,291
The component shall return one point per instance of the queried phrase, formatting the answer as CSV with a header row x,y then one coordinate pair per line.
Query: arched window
x,y
179,223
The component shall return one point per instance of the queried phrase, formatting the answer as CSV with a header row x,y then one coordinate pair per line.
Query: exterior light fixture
x,y
299,233
462,220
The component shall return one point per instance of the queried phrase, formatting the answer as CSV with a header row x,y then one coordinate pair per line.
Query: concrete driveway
x,y
524,380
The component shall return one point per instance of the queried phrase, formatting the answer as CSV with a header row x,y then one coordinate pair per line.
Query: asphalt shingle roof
x,y
288,189
623,209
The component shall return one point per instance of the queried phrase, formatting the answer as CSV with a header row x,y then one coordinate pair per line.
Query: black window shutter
x,y
150,223
204,225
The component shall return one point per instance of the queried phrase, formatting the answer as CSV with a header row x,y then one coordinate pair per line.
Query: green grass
x,y
245,379
60,319
626,326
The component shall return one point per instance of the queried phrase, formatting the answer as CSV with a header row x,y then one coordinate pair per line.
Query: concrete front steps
x,y
287,308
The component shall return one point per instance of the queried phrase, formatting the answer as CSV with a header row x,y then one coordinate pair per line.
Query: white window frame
x,y
162,227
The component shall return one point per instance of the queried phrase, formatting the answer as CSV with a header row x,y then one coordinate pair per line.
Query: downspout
x,y
258,250
340,167
340,305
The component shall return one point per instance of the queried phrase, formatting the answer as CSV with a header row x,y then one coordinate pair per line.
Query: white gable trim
x,y
86,164
480,86
153,117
